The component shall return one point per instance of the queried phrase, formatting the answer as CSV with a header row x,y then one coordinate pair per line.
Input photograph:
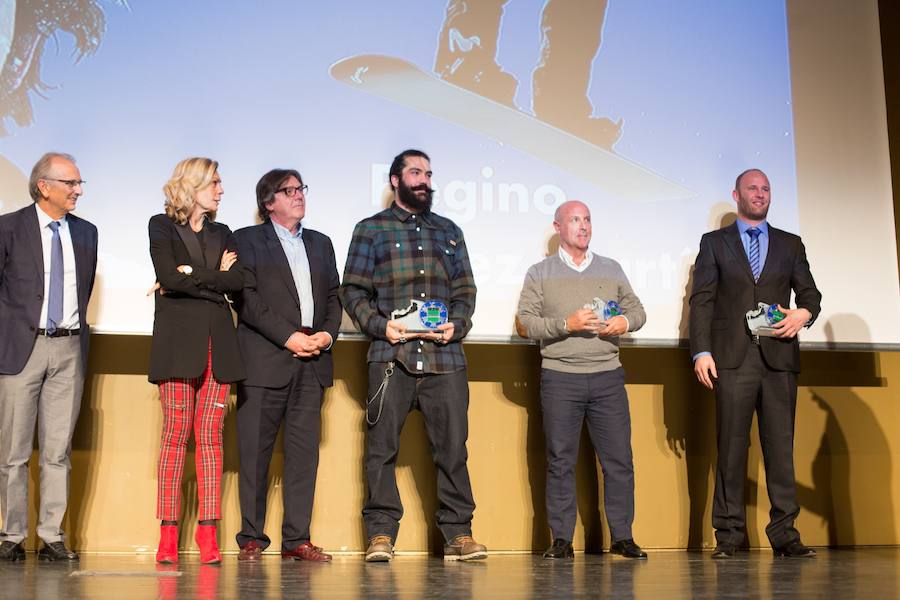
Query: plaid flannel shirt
x,y
396,256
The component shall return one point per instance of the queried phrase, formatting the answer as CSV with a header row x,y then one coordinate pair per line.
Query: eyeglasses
x,y
69,182
292,190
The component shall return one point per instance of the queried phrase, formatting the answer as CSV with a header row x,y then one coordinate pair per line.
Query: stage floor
x,y
846,573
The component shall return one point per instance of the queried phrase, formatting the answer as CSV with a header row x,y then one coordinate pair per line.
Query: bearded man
x,y
407,252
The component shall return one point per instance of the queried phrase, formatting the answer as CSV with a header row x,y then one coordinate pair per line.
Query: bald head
x,y
567,207
572,222
737,182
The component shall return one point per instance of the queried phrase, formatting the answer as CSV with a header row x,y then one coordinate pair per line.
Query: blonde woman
x,y
194,355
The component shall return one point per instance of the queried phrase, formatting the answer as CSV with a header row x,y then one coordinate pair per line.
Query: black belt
x,y
59,332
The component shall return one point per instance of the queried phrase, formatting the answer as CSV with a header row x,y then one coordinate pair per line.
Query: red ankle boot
x,y
206,541
167,553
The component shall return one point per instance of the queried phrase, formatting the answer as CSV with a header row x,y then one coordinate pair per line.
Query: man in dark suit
x,y
289,315
48,258
737,267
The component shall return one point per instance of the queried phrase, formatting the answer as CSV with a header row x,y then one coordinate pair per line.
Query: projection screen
x,y
681,98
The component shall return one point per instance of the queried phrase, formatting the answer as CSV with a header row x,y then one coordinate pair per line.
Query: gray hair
x,y
41,170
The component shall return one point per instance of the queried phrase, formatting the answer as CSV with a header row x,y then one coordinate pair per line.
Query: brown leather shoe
x,y
380,549
463,547
306,551
250,551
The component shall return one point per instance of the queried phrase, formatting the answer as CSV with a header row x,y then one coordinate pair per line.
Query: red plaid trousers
x,y
199,401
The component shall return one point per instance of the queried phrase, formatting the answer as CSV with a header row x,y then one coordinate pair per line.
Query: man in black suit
x,y
737,267
289,315
48,258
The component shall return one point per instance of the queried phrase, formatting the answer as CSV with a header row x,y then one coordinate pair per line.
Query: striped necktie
x,y
753,232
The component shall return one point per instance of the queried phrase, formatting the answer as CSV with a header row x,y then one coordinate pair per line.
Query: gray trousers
x,y
568,400
46,392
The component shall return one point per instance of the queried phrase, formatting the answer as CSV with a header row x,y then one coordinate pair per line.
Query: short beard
x,y
409,198
748,210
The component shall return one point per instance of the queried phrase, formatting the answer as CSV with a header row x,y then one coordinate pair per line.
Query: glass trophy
x,y
761,319
422,316
604,309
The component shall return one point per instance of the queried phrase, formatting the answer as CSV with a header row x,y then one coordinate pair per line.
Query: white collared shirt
x,y
295,251
570,262
70,282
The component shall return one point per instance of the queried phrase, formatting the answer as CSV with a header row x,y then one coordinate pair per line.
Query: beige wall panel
x,y
846,455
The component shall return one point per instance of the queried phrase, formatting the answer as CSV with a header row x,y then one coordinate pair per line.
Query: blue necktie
x,y
754,252
55,299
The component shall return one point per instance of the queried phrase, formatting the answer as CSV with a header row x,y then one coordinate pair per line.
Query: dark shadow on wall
x,y
853,448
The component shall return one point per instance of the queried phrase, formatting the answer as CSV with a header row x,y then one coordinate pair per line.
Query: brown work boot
x,y
463,547
380,549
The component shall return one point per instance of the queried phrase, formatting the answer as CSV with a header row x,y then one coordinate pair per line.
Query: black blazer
x,y
724,291
193,309
269,306
22,283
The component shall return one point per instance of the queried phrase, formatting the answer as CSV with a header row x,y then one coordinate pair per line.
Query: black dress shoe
x,y
11,551
559,549
794,549
724,550
56,551
628,549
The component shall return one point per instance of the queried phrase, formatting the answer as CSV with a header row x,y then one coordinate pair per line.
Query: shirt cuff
x,y
699,354
330,341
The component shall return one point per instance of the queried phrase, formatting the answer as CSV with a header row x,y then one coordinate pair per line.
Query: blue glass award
x,y
422,316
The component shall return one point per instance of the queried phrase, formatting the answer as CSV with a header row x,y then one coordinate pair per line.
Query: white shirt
x,y
295,250
70,282
570,262
298,261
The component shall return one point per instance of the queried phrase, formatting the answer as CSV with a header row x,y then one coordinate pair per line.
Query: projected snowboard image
x,y
469,88
403,82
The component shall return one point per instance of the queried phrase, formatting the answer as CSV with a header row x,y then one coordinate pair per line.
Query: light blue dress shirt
x,y
295,251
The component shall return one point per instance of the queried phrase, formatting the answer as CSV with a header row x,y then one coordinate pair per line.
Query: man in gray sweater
x,y
581,376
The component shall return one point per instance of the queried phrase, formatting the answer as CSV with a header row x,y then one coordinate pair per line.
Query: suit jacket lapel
x,y
312,256
79,248
189,238
213,246
33,228
734,243
773,252
279,258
